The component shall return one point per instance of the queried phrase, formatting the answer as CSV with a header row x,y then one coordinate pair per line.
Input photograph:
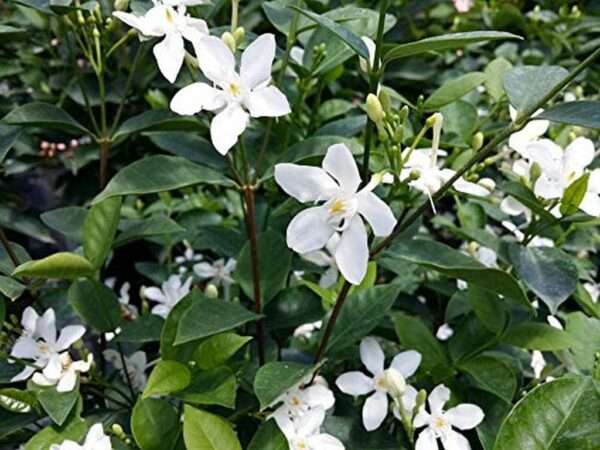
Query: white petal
x,y
215,59
548,188
25,348
46,326
196,97
426,441
372,355
512,206
422,418
310,422
29,320
578,155
340,163
407,362
409,398
309,231
375,410
161,310
69,335
324,442
548,155
41,380
205,270
67,382
354,383
318,257
590,204
139,23
267,102
329,277
24,374
154,294
465,416
318,395
438,398
169,54
377,212
305,183
227,126
455,441
257,59
195,30
352,253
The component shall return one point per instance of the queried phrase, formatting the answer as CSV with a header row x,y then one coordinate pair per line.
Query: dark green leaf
x,y
276,378
44,115
527,85
146,228
74,430
95,304
8,137
493,375
586,334
582,114
10,288
488,308
154,423
189,146
268,437
68,221
99,230
145,328
162,120
63,265
212,387
453,90
494,73
538,336
58,405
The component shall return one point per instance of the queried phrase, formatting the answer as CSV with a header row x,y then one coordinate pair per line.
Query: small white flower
x,y
301,400
95,440
61,371
326,259
463,6
304,433
439,423
168,295
234,97
219,272
136,366
538,363
554,322
357,383
129,312
307,330
529,133
163,19
336,183
444,332
39,340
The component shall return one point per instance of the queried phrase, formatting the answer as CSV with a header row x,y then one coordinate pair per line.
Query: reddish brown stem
x,y
342,296
104,151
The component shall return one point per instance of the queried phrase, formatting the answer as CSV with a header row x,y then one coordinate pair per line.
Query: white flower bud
x,y
396,383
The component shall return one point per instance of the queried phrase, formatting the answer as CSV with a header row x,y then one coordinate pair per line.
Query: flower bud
x,y
374,109
239,35
420,400
229,40
211,291
487,183
396,383
534,172
403,113
435,120
96,33
414,175
386,101
80,18
121,5
118,430
477,141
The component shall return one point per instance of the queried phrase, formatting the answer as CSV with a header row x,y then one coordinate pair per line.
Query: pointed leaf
x,y
167,377
99,230
63,265
44,115
583,113
206,431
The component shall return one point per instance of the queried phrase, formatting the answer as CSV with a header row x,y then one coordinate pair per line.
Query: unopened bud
x,y
118,430
414,175
80,18
211,291
420,400
121,5
386,101
435,120
229,40
96,33
396,383
239,35
477,141
374,109
403,113
534,172
487,183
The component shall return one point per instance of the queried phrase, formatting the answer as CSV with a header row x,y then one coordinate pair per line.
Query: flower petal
x,y
29,320
68,336
169,54
324,442
340,163
377,212
455,441
548,155
215,59
352,253
67,382
46,326
548,188
267,102
305,183
23,374
577,156
465,416
227,126
438,398
257,59
426,441
194,98
375,410
154,294
407,362
372,355
319,395
354,383
590,204
204,270
25,348
309,231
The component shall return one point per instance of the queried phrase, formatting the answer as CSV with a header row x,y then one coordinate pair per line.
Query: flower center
x,y
169,16
301,444
337,207
295,401
439,424
43,348
381,382
234,89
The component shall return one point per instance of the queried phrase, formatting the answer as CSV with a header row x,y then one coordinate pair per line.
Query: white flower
x,y
234,97
439,423
39,341
537,241
188,257
129,312
337,185
554,322
219,272
376,408
304,433
593,290
463,6
326,259
538,363
529,133
168,295
95,440
444,332
61,371
136,366
307,330
299,401
365,65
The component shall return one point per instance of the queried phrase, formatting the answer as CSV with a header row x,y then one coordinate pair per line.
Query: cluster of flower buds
x,y
233,40
50,149
390,123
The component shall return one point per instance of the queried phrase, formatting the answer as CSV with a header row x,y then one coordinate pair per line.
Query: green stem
x,y
136,59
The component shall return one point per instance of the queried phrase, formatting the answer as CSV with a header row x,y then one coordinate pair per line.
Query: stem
x,y
9,250
104,151
250,211
235,7
136,59
332,321
125,371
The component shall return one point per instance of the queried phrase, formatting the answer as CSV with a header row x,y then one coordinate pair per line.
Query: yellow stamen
x,y
337,207
234,89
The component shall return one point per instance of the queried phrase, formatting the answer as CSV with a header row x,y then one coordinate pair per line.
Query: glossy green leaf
x,y
163,120
6,264
205,431
95,304
17,401
154,423
443,42
168,349
8,137
276,378
527,85
189,146
68,221
159,173
571,199
488,308
585,113
453,90
58,405
74,430
586,335
154,226
216,350
44,115
268,437
145,328
15,220
10,288
494,73
538,336
493,375
62,265
207,316
99,230
211,387
167,377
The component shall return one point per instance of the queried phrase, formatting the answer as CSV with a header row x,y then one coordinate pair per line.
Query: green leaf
x,y
154,423
488,308
62,265
353,41
538,336
268,437
189,146
58,405
99,230
10,288
68,221
16,400
573,195
363,311
95,304
443,42
493,375
583,113
8,137
206,317
159,173
274,264
586,334
167,377
44,115
147,228
163,120
414,334
75,430
168,349
453,90
452,263
216,350
276,378
528,198
145,328
15,220
547,271
212,387
494,73
527,85
559,415
206,431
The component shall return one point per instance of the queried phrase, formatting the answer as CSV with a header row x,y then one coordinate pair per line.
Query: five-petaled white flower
x,y
61,371
357,383
95,440
39,340
531,132
337,184
439,423
234,97
136,366
301,400
164,19
168,295
326,258
304,432
219,272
